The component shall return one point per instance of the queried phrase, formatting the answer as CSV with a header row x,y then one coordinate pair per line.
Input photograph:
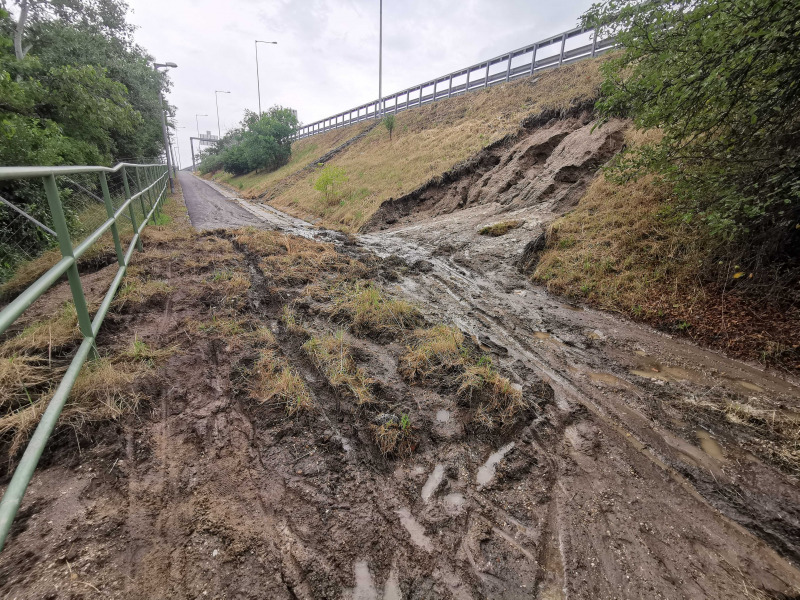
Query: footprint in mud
x,y
365,585
487,471
433,482
415,530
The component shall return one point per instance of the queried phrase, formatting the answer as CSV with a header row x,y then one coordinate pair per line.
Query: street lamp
x,y
156,67
216,98
258,78
197,122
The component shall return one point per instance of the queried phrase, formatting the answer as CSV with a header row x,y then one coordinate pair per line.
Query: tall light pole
x,y
380,57
178,144
216,98
197,122
258,78
156,67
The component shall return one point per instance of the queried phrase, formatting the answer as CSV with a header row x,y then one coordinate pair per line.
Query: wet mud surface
x,y
624,479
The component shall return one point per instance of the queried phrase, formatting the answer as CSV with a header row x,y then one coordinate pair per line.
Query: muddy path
x,y
644,448
625,481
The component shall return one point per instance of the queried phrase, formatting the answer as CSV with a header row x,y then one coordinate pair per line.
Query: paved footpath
x,y
209,209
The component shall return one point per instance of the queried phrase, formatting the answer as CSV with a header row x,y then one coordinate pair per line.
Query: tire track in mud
x,y
476,307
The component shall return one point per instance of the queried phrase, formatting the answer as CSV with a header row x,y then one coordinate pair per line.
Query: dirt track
x,y
615,488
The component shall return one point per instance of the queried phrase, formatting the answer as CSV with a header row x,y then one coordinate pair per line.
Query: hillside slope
x,y
428,141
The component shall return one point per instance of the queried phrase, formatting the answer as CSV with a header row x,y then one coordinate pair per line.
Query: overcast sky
x,y
326,59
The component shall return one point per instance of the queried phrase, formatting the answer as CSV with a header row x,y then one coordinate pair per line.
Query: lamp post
x,y
216,98
197,122
258,78
156,67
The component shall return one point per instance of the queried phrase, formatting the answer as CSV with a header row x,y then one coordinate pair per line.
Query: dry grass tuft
x,y
368,311
497,400
136,291
501,228
331,354
292,322
56,332
273,380
230,286
395,436
103,391
434,352
431,139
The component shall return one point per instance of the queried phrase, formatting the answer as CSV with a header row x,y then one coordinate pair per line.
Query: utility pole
x,y
216,98
258,78
380,57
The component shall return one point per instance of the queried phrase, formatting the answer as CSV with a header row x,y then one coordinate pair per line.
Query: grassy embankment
x,y
428,141
626,248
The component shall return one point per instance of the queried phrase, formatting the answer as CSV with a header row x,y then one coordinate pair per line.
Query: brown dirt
x,y
600,490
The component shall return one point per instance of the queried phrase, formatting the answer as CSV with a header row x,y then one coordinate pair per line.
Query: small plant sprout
x,y
330,182
388,122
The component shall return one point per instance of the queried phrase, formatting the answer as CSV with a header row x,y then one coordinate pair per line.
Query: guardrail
x,y
151,181
538,57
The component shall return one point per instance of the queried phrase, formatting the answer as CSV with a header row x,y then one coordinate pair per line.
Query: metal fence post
x,y
466,85
65,245
130,206
395,104
594,42
533,60
110,211
420,95
486,79
450,87
563,43
508,69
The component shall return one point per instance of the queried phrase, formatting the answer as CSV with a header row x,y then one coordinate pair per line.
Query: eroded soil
x,y
623,479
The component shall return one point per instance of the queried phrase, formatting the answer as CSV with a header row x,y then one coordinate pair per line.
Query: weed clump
x,y
331,354
273,380
434,352
500,228
393,436
496,399
368,311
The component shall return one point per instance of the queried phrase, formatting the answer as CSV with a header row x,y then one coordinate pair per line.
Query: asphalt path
x,y
209,209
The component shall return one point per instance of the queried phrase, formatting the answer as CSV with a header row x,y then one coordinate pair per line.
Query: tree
x,y
388,122
263,142
721,80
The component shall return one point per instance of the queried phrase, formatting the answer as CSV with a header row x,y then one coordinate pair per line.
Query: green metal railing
x,y
151,181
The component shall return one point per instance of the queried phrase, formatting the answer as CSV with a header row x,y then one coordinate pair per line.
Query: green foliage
x,y
330,182
388,122
259,143
721,80
82,93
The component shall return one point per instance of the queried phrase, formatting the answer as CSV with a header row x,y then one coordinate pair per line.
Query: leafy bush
x,y
720,79
330,182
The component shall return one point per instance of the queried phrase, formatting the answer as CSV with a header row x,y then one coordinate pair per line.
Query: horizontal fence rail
x,y
545,54
149,184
